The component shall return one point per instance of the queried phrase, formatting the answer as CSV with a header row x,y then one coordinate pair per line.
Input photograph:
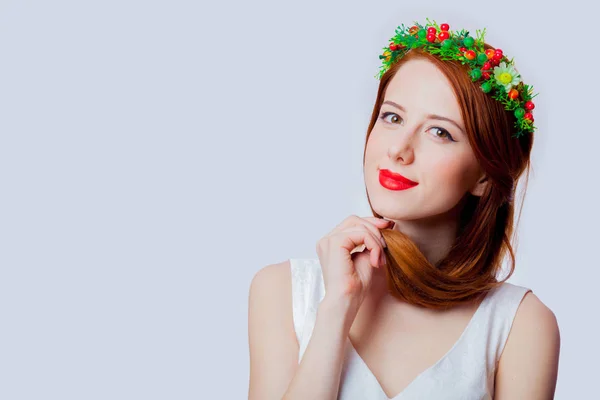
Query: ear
x,y
479,188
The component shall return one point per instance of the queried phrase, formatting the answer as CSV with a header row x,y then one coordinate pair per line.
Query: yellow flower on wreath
x,y
506,75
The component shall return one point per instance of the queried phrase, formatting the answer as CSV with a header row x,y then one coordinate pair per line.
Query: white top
x,y
465,372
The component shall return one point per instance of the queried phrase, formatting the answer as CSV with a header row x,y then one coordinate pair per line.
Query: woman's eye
x,y
395,117
445,133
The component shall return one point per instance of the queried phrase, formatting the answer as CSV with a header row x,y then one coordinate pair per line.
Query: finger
x,y
354,237
346,222
360,248
353,220
379,221
373,229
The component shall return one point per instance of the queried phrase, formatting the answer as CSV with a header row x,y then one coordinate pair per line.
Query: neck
x,y
433,237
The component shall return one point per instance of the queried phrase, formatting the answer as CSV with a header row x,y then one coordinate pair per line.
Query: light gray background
x,y
155,154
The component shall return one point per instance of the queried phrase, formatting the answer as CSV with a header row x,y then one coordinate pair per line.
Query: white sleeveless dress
x,y
465,372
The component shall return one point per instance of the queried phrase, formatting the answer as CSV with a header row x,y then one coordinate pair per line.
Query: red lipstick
x,y
394,181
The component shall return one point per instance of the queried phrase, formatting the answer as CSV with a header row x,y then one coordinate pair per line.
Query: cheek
x,y
375,149
453,173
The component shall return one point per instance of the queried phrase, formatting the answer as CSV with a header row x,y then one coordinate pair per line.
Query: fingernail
x,y
383,243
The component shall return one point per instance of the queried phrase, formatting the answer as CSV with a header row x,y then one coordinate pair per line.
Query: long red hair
x,y
485,232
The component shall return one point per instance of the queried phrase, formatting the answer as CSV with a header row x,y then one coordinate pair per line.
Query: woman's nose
x,y
402,149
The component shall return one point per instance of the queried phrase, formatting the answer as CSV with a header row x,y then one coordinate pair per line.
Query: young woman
x,y
408,304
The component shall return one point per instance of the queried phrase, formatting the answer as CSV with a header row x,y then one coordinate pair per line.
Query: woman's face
x,y
420,134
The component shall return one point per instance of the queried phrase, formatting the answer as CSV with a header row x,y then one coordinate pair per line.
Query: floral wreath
x,y
497,74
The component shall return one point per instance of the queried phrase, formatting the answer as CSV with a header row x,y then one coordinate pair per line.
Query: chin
x,y
396,210
412,210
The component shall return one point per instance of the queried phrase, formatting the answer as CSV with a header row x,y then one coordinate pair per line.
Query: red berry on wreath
x,y
528,116
513,94
470,55
486,75
486,66
445,27
462,49
393,46
529,105
443,35
431,37
489,53
498,51
431,29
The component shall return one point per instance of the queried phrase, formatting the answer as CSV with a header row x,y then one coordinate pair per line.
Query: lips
x,y
397,177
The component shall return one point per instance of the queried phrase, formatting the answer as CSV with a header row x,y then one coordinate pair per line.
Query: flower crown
x,y
496,73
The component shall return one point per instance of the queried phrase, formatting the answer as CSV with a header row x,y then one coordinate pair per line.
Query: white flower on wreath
x,y
506,75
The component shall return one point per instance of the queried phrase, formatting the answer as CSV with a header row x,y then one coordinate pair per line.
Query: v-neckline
x,y
429,369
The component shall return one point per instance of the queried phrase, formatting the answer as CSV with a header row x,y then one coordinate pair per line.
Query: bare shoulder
x,y
270,295
528,366
271,288
271,336
275,275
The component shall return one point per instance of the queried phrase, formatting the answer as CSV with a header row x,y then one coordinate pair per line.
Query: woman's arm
x,y
274,370
272,339
318,375
528,366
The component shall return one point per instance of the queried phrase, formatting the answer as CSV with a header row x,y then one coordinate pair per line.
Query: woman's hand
x,y
348,276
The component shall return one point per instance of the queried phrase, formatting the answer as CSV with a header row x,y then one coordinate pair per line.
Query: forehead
x,y
420,86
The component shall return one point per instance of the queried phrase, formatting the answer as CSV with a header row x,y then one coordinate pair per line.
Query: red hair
x,y
471,266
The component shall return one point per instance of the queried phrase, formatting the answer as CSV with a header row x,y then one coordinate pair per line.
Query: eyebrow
x,y
430,116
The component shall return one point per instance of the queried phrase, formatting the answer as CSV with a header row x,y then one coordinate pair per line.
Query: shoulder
x,y
271,281
270,322
272,341
528,365
297,283
534,324
272,271
283,271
